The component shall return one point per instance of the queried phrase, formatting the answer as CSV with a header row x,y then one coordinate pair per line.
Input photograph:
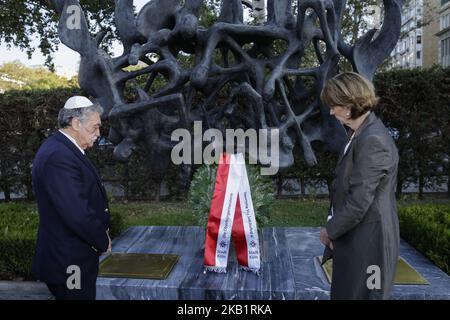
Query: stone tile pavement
x,y
24,290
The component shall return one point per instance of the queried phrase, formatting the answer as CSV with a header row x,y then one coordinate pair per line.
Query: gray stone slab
x,y
289,270
439,287
24,290
303,242
311,282
188,280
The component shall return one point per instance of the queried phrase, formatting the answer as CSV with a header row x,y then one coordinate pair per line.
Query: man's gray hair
x,y
65,116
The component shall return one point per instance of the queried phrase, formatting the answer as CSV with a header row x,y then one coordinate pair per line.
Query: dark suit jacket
x,y
364,228
73,212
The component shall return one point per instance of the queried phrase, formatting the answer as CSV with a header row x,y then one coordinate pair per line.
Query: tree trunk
x,y
279,186
399,188
421,185
126,184
4,184
448,183
7,193
30,195
158,192
329,186
302,187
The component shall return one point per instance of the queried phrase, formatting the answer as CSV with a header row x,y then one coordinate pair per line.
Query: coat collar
x,y
62,138
369,120
72,140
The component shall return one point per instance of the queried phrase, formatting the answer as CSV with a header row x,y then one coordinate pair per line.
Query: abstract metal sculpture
x,y
265,88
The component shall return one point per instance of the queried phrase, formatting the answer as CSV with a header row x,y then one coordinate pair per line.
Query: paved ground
x,y
23,290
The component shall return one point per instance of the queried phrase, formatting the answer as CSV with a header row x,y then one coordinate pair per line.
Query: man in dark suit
x,y
72,203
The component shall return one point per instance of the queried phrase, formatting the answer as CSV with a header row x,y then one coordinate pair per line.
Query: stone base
x,y
289,270
24,290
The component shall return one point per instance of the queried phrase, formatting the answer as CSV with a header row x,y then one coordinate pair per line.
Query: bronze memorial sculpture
x,y
265,89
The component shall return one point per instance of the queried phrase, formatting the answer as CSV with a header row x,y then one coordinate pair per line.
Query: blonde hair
x,y
349,89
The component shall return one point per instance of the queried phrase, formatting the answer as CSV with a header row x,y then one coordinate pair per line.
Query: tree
x,y
22,20
16,76
356,20
414,105
442,85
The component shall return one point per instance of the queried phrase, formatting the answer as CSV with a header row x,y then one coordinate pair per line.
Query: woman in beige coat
x,y
362,232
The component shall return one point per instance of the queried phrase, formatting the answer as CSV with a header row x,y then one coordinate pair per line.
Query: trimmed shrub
x,y
427,228
202,190
415,106
117,224
18,230
18,226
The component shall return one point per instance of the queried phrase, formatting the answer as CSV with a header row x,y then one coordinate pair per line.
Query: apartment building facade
x,y
444,33
425,39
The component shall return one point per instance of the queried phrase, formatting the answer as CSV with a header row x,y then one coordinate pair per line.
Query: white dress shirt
x,y
73,141
331,213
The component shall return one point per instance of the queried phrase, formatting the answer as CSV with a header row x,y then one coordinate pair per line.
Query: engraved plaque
x,y
405,273
138,265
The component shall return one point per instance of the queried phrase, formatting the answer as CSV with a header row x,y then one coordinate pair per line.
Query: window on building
x,y
447,62
442,51
445,52
445,21
418,55
419,39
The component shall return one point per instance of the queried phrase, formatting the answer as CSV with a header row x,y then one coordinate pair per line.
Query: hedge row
x,y
427,228
414,104
18,227
18,230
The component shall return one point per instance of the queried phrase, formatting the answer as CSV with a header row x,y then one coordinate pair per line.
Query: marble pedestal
x,y
289,270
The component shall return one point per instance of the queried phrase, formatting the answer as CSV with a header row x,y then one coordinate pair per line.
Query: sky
x,y
66,60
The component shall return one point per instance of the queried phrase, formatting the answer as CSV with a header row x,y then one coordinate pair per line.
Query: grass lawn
x,y
305,212
155,213
284,213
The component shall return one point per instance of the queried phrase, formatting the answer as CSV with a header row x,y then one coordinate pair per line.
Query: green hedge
x,y
427,228
18,226
414,103
18,230
28,117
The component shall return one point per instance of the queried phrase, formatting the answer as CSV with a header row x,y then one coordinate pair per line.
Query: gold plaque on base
x,y
405,273
138,265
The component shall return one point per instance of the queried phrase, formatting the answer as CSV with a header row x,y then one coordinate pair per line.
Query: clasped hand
x,y
326,241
